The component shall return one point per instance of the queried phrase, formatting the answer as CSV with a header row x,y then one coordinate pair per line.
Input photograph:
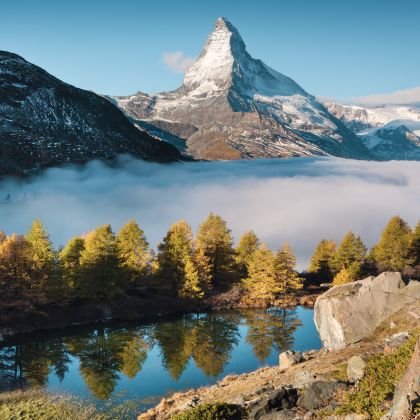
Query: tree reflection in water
x,y
270,329
106,354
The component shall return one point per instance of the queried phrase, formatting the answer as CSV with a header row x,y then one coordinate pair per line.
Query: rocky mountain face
x,y
44,121
232,106
389,132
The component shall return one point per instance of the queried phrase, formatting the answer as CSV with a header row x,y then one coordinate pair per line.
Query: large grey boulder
x,y
346,314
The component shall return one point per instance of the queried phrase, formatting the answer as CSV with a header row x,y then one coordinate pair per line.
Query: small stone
x,y
355,369
289,358
308,355
303,379
397,339
392,325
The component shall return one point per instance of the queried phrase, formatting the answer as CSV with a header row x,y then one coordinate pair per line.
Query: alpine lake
x,y
133,366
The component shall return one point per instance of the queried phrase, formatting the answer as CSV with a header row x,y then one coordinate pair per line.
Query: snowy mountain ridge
x,y
359,117
233,106
388,131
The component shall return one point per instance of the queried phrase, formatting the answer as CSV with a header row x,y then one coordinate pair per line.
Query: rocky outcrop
x,y
348,313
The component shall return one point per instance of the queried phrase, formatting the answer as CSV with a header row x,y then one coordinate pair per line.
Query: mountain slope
x,y
233,106
389,132
44,121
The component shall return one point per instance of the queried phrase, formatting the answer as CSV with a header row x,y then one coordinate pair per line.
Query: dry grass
x,y
38,405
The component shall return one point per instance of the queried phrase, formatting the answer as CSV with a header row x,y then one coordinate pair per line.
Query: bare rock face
x,y
346,314
232,106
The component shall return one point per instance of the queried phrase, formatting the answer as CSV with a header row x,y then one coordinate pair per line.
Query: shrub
x,y
215,411
382,374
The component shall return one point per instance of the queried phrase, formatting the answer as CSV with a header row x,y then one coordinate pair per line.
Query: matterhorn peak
x,y
233,106
224,64
224,24
212,71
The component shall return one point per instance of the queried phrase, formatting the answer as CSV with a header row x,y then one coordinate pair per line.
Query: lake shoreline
x,y
347,378
128,309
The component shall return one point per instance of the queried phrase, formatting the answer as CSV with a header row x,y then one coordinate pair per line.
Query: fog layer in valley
x,y
297,200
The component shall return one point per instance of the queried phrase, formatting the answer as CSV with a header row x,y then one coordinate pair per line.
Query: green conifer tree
x,y
191,287
133,252
351,250
322,261
248,244
285,263
197,277
214,239
414,248
262,282
43,256
15,263
173,253
100,272
392,250
70,261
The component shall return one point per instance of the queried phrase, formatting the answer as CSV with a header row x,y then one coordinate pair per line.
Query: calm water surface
x,y
139,364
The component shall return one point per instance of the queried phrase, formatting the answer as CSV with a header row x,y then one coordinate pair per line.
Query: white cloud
x,y
296,200
400,97
177,61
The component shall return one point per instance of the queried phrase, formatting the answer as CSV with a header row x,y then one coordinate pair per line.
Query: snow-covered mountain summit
x,y
233,106
224,63
388,131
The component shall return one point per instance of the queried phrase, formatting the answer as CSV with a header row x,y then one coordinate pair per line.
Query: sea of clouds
x,y
296,200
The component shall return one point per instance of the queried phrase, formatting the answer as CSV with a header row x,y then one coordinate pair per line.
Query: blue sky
x,y
332,48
